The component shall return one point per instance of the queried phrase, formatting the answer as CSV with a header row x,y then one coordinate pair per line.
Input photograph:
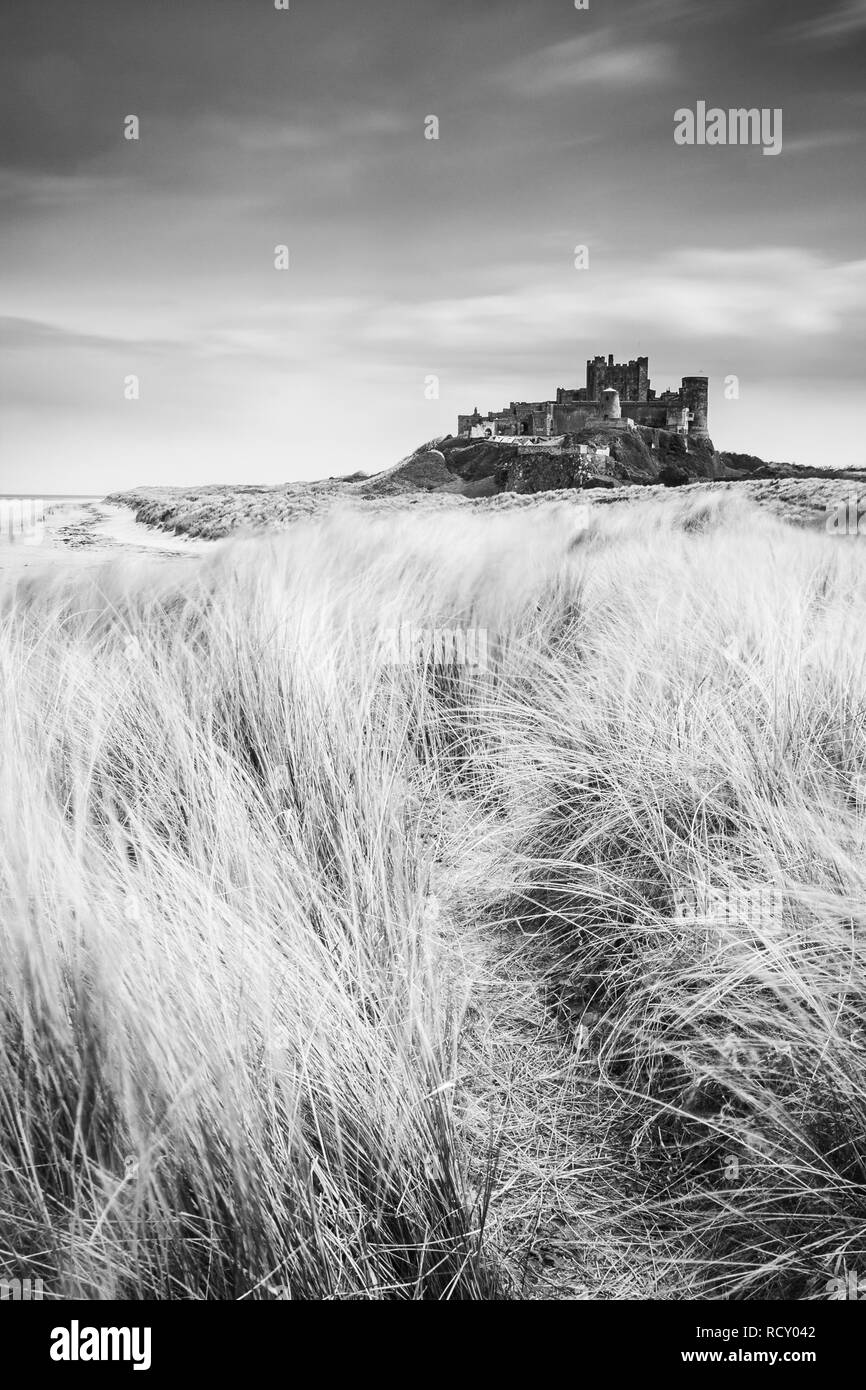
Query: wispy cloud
x,y
314,132
840,23
821,140
765,295
27,188
18,334
591,60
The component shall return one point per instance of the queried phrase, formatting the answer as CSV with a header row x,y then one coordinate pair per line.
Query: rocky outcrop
x,y
633,456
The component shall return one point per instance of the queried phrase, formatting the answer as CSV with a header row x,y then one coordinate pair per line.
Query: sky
x,y
425,276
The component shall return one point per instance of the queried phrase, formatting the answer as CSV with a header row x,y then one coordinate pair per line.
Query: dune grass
x,y
325,976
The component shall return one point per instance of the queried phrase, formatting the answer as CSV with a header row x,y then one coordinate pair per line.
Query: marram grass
x,y
329,976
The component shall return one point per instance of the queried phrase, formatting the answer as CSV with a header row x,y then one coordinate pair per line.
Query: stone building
x,y
617,395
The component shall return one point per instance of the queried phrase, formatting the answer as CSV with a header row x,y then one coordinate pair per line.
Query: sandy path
x,y
87,533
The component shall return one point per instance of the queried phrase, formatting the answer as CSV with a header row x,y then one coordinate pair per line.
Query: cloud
x,y
821,140
274,136
762,294
18,332
848,19
770,295
315,132
590,60
27,189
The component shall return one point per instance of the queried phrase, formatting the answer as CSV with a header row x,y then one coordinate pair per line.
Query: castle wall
x,y
572,419
541,422
654,414
568,419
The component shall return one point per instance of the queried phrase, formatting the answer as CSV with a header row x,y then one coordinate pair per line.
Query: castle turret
x,y
695,397
610,404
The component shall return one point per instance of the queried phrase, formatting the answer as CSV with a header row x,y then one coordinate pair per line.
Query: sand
x,y
88,533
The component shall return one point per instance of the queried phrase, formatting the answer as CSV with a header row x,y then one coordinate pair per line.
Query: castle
x,y
617,396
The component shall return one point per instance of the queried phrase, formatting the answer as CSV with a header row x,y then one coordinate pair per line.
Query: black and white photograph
x,y
433,668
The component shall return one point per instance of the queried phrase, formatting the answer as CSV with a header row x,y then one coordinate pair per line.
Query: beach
x,y
81,532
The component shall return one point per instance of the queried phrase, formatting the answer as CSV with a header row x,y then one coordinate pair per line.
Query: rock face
x,y
634,456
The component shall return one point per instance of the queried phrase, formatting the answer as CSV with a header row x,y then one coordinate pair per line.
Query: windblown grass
x,y
326,977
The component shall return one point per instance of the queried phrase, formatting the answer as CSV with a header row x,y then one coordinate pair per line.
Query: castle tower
x,y
596,372
695,398
610,404
631,379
